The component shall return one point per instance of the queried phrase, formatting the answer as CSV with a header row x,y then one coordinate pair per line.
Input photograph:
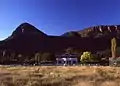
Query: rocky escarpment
x,y
97,31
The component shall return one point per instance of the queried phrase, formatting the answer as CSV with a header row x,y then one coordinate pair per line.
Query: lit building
x,y
67,59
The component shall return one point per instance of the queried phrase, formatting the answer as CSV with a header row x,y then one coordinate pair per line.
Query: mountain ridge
x,y
33,40
28,29
80,33
25,44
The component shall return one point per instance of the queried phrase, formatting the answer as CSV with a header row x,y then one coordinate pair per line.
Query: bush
x,y
47,57
87,57
114,62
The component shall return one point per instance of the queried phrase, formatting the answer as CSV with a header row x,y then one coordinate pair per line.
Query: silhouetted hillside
x,y
71,34
27,40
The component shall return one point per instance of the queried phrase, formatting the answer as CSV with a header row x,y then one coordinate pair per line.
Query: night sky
x,y
54,17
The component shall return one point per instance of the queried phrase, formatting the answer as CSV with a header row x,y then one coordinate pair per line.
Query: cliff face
x,y
99,31
28,39
96,38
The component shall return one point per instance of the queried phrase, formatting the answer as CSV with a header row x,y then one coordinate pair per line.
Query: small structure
x,y
22,30
67,59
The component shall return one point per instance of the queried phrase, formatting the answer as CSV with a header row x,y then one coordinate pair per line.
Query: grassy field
x,y
59,76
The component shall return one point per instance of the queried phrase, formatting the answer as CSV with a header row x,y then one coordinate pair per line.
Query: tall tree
x,y
113,47
38,57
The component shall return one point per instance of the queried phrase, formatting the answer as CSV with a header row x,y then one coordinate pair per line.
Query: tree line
x,y
12,57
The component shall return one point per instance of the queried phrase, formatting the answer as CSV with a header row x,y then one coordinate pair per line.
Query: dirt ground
x,y
59,76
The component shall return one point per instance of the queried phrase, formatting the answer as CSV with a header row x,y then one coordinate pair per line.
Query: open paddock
x,y
59,76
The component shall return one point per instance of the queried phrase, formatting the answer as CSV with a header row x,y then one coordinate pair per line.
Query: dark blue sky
x,y
55,17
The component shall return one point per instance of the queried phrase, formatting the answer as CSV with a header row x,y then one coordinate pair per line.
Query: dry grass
x,y
59,76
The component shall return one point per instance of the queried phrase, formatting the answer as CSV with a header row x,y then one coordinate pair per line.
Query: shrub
x,y
87,57
114,62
